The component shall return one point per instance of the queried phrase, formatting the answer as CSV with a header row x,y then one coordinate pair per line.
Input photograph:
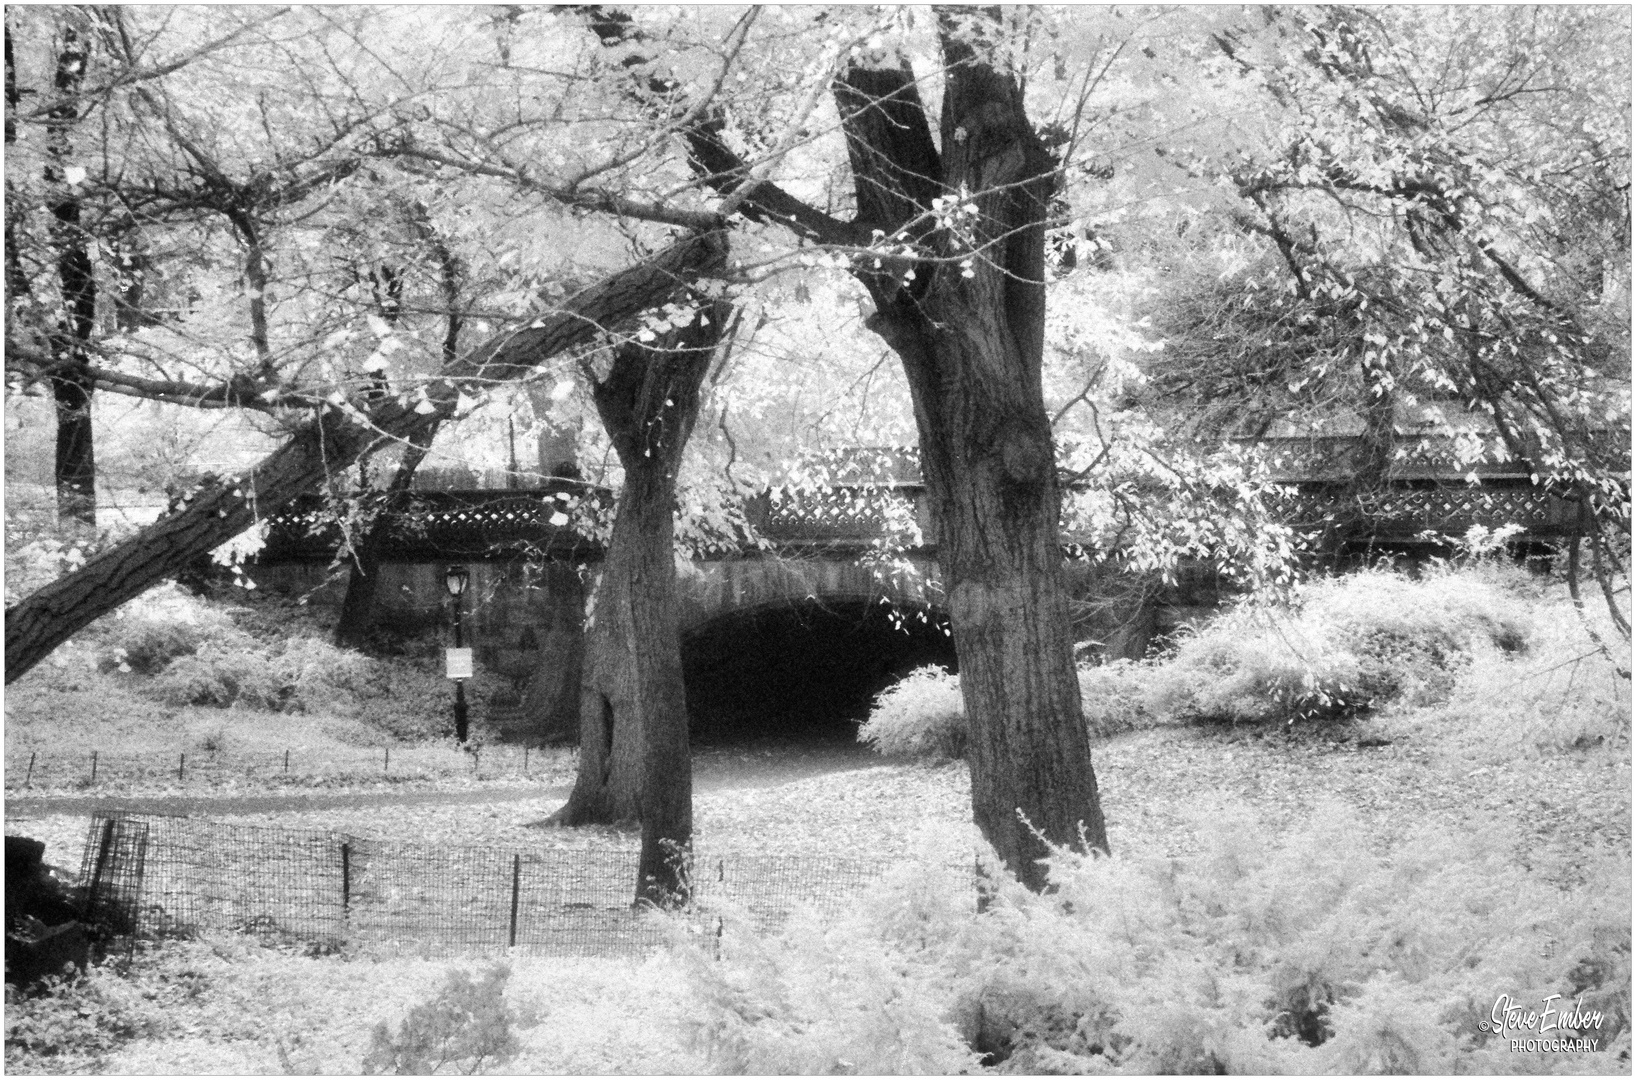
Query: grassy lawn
x,y
1351,893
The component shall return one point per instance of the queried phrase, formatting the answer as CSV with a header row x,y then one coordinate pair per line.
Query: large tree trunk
x,y
363,580
17,283
634,762
1371,476
46,618
75,469
969,329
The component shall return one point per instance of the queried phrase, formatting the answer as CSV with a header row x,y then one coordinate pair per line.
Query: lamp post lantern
x,y
455,579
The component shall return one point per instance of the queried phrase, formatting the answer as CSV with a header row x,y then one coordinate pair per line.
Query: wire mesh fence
x,y
155,875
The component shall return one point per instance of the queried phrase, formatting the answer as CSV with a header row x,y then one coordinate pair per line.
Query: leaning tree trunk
x,y
75,468
634,759
334,440
209,518
969,328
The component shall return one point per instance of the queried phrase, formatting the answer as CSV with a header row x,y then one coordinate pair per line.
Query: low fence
x,y
55,770
155,875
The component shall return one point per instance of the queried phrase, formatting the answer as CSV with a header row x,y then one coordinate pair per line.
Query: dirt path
x,y
717,768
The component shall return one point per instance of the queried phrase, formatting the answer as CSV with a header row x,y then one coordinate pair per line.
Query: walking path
x,y
714,769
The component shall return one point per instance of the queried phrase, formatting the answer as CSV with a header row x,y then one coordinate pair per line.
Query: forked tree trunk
x,y
634,760
46,618
969,329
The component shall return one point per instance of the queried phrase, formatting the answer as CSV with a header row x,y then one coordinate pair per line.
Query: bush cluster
x,y
39,548
1568,695
178,649
245,1004
1338,648
306,675
74,1022
920,715
1116,697
841,1001
1311,955
466,1025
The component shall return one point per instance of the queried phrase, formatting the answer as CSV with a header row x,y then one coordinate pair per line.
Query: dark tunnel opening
x,y
806,672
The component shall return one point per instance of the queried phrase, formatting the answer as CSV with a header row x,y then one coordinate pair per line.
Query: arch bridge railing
x,y
491,524
487,523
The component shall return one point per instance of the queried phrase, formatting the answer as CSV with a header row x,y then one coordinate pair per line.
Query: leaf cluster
x,y
467,1027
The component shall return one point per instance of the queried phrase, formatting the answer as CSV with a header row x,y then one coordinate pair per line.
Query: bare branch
x,y
134,75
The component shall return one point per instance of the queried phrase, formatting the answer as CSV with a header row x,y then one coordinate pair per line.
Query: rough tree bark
x,y
972,348
1350,532
634,760
968,326
332,441
17,283
71,383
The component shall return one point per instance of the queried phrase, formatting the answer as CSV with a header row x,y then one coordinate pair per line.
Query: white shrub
x,y
921,715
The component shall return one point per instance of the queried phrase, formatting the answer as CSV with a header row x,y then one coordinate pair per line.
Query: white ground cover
x,y
264,1011
260,1009
594,1016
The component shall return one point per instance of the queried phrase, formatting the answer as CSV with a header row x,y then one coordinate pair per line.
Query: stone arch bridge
x,y
821,564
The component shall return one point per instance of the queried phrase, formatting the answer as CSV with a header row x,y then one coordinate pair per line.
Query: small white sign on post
x,y
458,663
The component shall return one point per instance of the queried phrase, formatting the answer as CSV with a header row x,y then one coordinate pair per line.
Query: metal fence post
x,y
104,849
516,892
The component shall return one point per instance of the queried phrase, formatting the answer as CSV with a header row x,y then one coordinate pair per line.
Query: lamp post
x,y
455,579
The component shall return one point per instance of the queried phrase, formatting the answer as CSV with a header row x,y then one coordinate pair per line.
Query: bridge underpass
x,y
805,671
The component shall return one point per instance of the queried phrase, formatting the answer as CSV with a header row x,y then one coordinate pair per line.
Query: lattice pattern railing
x,y
474,524
859,513
454,523
1330,457
1405,512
